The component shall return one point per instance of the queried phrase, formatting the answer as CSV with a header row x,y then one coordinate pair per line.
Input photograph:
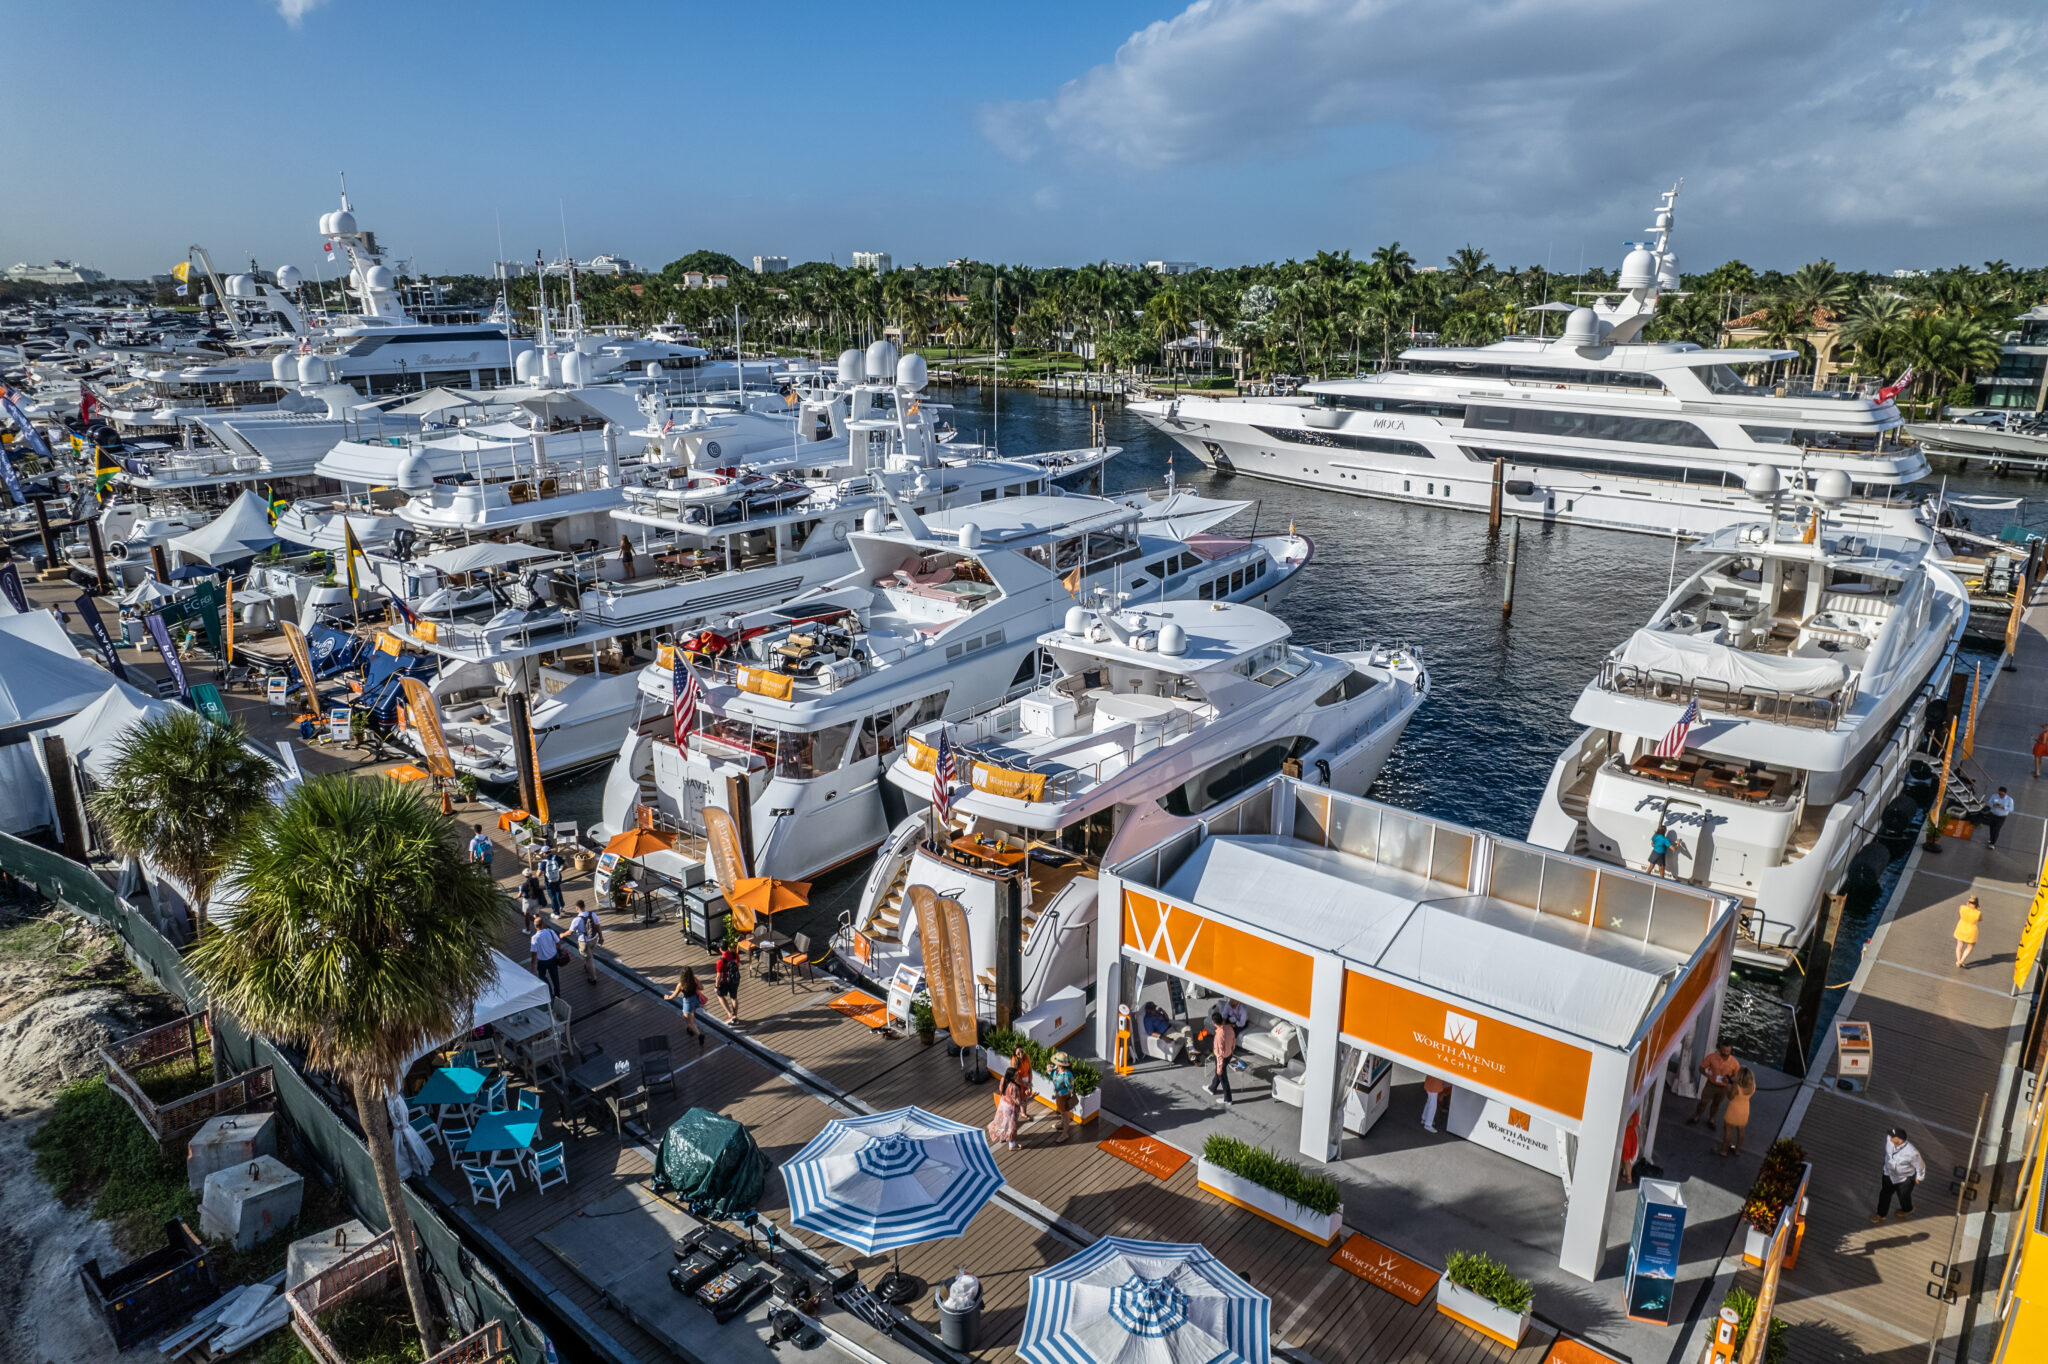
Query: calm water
x,y
1481,749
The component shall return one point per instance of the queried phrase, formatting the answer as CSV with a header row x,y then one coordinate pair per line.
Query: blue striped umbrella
x,y
1145,1302
893,1179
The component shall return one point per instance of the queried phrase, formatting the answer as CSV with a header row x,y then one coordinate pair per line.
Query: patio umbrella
x,y
891,1180
637,843
769,895
1145,1302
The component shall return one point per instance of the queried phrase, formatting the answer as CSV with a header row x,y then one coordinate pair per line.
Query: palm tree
x,y
1944,346
181,793
364,936
1874,326
1465,266
1393,265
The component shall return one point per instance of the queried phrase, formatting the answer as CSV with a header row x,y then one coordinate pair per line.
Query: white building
x,y
58,272
770,265
877,261
1170,267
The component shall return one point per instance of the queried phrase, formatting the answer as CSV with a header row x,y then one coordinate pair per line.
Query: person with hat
x,y
1062,1093
1903,1168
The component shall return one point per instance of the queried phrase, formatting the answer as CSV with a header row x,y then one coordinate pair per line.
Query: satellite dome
x,y
873,522
1639,269
343,224
239,286
414,474
1581,328
970,535
312,369
575,369
1762,480
1667,271
651,370
379,277
1832,487
284,367
288,277
881,360
1077,621
910,373
526,366
1173,639
849,366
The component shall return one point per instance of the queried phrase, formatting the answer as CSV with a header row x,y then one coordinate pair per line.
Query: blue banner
x,y
1653,1252
28,428
10,583
161,633
91,615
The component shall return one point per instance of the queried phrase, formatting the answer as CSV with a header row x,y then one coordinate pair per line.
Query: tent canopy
x,y
240,532
484,554
93,736
434,400
513,989
42,678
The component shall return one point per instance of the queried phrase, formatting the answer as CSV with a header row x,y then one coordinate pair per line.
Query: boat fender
x,y
1519,487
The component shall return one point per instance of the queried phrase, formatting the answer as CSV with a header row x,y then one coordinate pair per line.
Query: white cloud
x,y
1924,117
295,11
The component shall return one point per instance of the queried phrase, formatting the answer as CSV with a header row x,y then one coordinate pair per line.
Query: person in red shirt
x,y
726,977
1719,1072
1436,1095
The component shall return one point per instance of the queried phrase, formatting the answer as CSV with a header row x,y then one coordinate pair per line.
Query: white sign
x,y
337,724
905,985
1510,1131
277,688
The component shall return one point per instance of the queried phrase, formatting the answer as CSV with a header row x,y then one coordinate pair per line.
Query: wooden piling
x,y
51,564
1507,591
1500,469
99,557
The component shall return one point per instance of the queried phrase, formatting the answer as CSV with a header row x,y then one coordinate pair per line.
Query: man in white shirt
x,y
1903,1168
1996,810
544,955
587,932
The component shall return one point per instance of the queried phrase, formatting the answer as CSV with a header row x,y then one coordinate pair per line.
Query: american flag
x,y
942,780
1674,741
684,709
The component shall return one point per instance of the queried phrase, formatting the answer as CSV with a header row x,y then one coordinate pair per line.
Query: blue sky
x,y
1880,133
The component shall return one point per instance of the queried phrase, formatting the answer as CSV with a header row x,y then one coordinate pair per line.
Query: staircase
x,y
886,924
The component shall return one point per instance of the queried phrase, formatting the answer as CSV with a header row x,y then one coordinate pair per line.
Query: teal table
x,y
504,1132
452,1085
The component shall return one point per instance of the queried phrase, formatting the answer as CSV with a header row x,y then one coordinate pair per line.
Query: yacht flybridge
x,y
1178,706
1594,426
806,700
1812,649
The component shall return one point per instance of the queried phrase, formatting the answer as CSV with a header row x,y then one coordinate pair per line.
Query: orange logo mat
x,y
1149,1154
1388,1269
1565,1350
862,1009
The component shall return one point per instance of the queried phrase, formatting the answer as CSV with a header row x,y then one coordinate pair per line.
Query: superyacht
x,y
1766,715
1593,426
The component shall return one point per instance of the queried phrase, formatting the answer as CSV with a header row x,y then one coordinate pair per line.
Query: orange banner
x,y
1394,1021
938,962
729,861
959,974
1008,782
1677,1013
227,623
540,795
775,686
1246,965
426,724
296,639
923,757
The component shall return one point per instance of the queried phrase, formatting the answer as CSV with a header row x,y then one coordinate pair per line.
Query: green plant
x,y
1317,1193
1744,1304
921,1019
1776,1184
465,782
1477,1272
94,1148
1087,1078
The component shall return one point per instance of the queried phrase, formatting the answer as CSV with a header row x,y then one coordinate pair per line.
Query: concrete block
x,y
250,1203
223,1142
309,1255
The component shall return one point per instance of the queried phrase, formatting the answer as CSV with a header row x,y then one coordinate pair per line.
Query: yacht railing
x,y
1065,781
1775,707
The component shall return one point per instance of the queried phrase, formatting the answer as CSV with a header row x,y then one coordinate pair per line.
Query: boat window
x,y
1344,440
1536,374
1812,440
1353,685
1012,490
1723,380
1158,569
1207,592
1358,402
1067,554
1112,546
1587,426
989,494
1624,468
1225,779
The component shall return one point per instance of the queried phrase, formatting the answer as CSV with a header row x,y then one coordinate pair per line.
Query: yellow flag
x,y
1072,582
182,271
351,549
2031,936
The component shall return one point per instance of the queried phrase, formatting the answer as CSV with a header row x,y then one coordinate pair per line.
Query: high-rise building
x,y
1170,267
877,261
770,265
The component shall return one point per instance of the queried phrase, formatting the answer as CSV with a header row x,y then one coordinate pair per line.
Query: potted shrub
x,y
999,1043
1272,1186
921,1019
465,782
1779,1181
1744,1304
1484,1294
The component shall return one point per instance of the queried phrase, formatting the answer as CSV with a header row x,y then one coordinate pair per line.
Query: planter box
x,y
1086,1107
1482,1314
1269,1205
1757,1244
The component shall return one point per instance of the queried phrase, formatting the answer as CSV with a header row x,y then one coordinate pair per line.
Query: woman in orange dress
x,y
1966,928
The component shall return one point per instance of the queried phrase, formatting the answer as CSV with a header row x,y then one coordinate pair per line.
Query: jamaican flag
x,y
103,470
277,504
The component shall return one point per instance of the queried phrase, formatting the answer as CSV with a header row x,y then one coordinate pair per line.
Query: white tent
x,y
484,554
434,400
92,736
42,678
148,592
512,990
240,532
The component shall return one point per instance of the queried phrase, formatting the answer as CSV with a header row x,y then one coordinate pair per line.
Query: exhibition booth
x,y
1551,991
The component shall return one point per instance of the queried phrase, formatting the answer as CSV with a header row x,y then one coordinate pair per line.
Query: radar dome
x,y
575,369
1581,328
651,370
910,373
415,475
379,277
970,535
239,286
1762,480
1077,621
1173,639
344,224
312,369
288,277
1832,487
1667,271
1638,269
284,367
849,366
881,360
526,366
873,522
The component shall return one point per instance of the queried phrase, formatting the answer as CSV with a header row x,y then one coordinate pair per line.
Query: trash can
x,y
959,1327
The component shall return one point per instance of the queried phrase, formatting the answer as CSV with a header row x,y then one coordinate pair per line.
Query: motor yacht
x,y
938,618
1811,649
1177,706
1592,426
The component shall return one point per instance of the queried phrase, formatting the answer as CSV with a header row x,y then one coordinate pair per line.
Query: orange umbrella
x,y
768,894
638,843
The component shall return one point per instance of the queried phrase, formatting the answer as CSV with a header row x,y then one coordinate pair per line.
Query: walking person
x,y
551,878
2040,749
1020,1071
1996,811
1062,1093
480,848
725,978
1718,1070
1660,851
1967,915
1225,1048
1436,1095
1003,1131
588,933
1736,1118
690,997
533,906
1903,1168
544,956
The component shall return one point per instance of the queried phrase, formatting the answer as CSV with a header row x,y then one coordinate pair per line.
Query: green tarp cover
x,y
712,1161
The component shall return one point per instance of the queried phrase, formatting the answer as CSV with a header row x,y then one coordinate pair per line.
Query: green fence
x,y
316,1126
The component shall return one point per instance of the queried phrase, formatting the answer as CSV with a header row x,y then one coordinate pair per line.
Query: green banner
x,y
206,700
206,599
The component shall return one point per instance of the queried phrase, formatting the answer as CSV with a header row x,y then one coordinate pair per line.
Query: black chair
x,y
657,1071
627,1108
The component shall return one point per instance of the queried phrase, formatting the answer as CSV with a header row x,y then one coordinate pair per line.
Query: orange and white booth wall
x,y
1578,1087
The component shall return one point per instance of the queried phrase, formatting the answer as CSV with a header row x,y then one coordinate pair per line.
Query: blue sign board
x,y
1653,1251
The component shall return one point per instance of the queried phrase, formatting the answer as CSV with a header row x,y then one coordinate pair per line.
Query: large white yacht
x,y
1812,649
1185,704
1593,426
940,617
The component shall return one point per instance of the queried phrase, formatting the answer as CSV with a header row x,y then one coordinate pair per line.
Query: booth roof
x,y
93,736
42,677
1586,982
237,533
